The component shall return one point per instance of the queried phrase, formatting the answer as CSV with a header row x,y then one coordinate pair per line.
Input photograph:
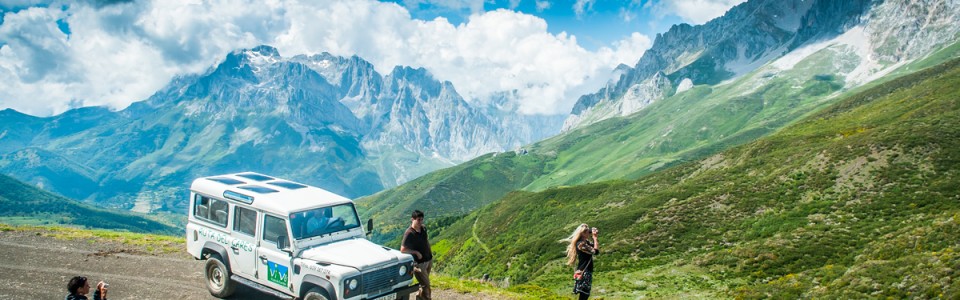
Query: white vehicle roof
x,y
267,193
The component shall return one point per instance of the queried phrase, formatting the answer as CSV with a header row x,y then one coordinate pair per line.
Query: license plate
x,y
387,297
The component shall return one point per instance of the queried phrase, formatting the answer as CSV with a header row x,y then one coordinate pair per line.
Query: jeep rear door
x,y
244,246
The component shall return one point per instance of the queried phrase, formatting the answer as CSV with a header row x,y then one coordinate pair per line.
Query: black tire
x,y
218,278
315,294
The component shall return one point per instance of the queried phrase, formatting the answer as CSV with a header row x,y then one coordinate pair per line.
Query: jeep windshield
x,y
325,220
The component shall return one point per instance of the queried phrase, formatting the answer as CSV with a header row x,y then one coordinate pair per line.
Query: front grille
x,y
380,281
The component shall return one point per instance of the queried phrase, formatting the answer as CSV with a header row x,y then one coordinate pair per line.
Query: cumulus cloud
x,y
628,49
696,11
120,53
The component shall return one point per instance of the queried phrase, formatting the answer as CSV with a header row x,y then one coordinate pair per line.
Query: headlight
x,y
403,270
353,284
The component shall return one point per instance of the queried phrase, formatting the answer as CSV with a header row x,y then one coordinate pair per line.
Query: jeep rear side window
x,y
245,221
273,228
211,210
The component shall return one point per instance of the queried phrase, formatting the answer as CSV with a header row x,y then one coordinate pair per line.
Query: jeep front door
x,y
244,244
274,264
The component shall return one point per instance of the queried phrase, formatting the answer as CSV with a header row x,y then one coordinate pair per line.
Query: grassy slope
x,y
857,201
24,204
491,176
685,127
690,125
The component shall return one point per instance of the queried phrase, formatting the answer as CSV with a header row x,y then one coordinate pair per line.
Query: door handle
x,y
263,258
235,248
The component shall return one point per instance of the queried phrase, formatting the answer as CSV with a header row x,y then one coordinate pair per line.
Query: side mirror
x,y
369,226
282,243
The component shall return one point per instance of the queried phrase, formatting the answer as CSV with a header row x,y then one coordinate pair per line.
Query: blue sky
x,y
56,55
595,24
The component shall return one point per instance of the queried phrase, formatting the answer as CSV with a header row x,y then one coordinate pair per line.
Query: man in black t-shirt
x,y
415,243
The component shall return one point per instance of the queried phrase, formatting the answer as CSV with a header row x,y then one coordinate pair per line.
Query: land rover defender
x,y
290,240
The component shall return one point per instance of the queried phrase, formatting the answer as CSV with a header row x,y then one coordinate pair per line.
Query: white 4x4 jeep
x,y
290,240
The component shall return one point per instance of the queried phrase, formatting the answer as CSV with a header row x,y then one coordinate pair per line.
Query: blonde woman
x,y
582,248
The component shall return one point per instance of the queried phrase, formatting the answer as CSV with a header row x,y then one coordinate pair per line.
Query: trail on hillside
x,y
477,238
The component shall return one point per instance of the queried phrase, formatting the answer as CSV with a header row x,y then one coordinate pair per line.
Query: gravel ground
x,y
38,267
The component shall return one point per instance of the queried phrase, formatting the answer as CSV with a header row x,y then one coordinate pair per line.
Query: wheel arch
x,y
312,281
210,248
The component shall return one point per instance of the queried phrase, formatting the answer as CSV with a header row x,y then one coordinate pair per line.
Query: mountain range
x,y
330,121
870,38
788,149
792,59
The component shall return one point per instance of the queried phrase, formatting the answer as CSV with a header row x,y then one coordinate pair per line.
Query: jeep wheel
x,y
218,278
315,294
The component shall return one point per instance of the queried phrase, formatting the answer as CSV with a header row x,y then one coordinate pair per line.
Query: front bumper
x,y
400,292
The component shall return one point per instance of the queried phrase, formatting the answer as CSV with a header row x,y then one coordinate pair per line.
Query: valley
x,y
782,149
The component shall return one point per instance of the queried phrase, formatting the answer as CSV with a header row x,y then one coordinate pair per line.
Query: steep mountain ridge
x,y
755,33
748,33
259,111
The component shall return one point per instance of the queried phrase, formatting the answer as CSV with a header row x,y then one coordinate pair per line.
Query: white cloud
x,y
629,50
122,53
583,6
696,11
542,5
627,15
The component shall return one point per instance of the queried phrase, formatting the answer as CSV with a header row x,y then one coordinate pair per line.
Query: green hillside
x,y
490,176
859,200
22,204
685,127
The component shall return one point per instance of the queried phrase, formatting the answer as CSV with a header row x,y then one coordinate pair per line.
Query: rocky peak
x,y
749,35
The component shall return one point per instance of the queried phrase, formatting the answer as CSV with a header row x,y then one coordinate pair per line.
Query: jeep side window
x,y
273,228
211,210
201,207
245,221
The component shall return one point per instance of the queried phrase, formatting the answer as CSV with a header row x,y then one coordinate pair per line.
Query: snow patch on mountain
x,y
325,66
791,59
869,68
853,43
259,59
743,64
684,85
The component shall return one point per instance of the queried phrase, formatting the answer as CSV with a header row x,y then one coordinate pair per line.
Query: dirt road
x,y
36,266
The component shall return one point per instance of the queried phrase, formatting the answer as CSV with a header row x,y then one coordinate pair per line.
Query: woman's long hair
x,y
573,239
